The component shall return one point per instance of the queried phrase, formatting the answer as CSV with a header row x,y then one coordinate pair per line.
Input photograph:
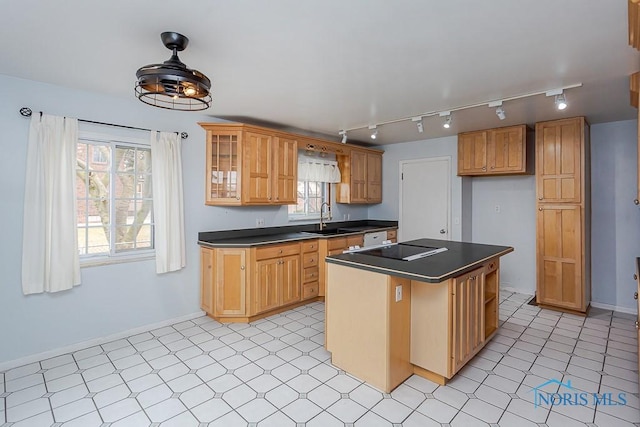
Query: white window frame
x,y
113,257
326,195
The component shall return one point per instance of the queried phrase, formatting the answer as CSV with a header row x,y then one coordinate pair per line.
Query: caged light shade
x,y
172,85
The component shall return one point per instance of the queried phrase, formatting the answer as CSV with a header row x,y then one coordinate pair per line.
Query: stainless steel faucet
x,y
322,218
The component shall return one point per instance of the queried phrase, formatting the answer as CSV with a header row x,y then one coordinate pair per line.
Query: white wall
x,y
615,219
394,153
615,238
112,298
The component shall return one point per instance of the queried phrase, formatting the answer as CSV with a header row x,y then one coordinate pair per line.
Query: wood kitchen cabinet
x,y
563,219
452,321
467,315
242,284
361,177
249,165
500,151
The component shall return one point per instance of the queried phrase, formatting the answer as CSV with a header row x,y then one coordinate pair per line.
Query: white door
x,y
425,199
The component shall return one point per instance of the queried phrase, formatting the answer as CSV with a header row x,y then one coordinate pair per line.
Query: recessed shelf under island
x,y
387,318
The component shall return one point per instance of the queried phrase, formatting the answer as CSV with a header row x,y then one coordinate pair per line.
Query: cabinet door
x,y
258,165
468,318
285,183
506,150
265,294
559,263
358,177
558,160
207,280
222,178
230,289
472,153
374,178
290,279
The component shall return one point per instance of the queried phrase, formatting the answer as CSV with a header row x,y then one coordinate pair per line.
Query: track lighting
x,y
447,120
561,102
374,132
418,122
344,136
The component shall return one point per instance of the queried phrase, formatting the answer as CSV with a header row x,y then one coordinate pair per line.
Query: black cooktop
x,y
402,251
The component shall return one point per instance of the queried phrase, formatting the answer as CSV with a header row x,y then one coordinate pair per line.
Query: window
x,y
114,199
311,195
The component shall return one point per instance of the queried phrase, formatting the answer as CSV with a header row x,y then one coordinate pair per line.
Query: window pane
x,y
98,240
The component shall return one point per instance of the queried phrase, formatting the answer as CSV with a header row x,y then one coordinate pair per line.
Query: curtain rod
x,y
27,112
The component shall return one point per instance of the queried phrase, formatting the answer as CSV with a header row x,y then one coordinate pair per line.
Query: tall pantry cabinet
x,y
563,217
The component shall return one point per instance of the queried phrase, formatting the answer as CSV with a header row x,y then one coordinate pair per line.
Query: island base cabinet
x,y
375,345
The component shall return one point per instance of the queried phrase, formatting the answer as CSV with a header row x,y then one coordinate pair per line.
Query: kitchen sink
x,y
328,231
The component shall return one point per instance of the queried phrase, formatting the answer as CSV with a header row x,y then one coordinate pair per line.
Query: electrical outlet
x,y
497,208
398,293
259,222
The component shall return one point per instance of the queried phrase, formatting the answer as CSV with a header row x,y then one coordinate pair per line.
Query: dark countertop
x,y
458,259
265,236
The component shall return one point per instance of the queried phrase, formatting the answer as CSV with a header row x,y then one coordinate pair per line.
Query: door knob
x,y
635,277
442,231
635,295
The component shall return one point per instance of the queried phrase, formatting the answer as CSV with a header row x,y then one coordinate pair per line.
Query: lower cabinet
x,y
453,320
239,283
467,317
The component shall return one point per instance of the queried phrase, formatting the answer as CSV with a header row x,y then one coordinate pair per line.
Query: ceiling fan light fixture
x,y
172,85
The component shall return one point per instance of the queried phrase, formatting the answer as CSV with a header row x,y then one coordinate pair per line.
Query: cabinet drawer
x,y
310,246
491,266
275,251
310,274
392,234
355,240
337,243
310,259
310,290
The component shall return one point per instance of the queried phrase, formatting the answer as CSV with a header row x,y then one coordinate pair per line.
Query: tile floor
x,y
275,372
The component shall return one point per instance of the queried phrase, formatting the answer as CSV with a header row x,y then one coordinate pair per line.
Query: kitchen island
x,y
388,318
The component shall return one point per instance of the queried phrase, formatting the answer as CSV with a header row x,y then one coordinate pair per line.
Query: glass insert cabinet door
x,y
223,160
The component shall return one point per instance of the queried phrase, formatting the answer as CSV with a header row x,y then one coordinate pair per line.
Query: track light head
x,y
343,133
561,101
447,120
418,122
500,113
374,131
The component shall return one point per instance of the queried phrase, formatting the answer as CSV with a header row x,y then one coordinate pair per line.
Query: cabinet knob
x,y
493,167
484,168
539,209
280,251
237,197
442,231
242,267
539,198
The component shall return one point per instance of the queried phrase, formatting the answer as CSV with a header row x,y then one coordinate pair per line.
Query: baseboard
x,y
5,366
614,308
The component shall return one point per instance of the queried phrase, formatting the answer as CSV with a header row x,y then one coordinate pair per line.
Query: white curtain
x,y
50,260
317,169
168,209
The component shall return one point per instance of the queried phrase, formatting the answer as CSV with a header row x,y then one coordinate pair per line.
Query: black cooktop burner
x,y
402,251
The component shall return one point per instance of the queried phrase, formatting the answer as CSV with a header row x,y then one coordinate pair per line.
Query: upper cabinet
x,y
361,177
500,151
560,156
247,165
252,165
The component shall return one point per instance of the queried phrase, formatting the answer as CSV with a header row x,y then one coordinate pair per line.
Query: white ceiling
x,y
326,65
